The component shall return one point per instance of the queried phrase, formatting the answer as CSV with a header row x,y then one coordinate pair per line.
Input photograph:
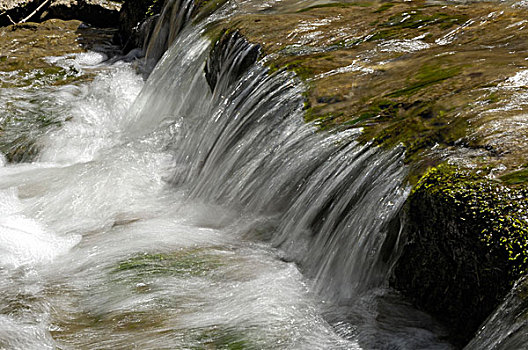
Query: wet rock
x,y
101,13
33,58
405,73
173,18
507,327
224,53
136,20
466,243
152,25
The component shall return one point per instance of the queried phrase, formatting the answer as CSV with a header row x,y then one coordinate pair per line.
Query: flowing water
x,y
164,215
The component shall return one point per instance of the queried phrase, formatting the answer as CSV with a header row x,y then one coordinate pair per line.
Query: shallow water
x,y
162,215
99,252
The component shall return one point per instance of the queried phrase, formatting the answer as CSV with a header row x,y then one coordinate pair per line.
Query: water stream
x,y
164,215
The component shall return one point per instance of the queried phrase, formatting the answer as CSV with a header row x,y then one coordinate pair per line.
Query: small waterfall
x,y
180,212
506,327
240,140
175,14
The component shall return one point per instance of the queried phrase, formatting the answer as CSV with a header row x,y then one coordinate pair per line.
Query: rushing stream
x,y
164,215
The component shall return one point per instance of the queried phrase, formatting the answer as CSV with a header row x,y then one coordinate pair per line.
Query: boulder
x,y
465,246
136,20
100,13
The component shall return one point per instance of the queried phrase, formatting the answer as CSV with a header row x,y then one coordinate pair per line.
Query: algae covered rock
x,y
446,80
36,58
466,243
441,78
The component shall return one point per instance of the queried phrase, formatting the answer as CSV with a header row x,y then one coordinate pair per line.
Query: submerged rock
x,y
447,80
35,57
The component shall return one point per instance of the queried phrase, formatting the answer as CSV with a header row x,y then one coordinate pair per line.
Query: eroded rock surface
x,y
426,75
465,247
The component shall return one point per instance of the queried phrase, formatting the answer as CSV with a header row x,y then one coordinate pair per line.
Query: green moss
x,y
21,129
384,34
384,7
204,8
494,212
415,19
194,262
154,8
397,25
297,65
337,5
301,70
222,339
516,178
382,108
427,75
493,98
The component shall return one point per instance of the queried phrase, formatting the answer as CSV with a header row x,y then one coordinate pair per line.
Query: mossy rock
x,y
466,243
519,177
26,67
184,263
407,73
221,338
427,93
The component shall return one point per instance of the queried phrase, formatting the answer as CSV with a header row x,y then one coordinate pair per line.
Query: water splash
x,y
195,207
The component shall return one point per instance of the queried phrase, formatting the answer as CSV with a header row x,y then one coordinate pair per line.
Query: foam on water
x,y
167,215
23,240
97,201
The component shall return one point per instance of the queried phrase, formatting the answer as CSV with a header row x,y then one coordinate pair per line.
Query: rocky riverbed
x,y
445,80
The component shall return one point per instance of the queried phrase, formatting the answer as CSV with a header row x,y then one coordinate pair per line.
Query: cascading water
x,y
176,13
180,217
246,146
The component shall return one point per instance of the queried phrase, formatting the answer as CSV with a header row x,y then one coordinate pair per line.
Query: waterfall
x,y
175,14
198,209
245,145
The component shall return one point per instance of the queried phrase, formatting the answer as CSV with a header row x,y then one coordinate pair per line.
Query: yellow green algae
x,y
469,236
194,262
499,211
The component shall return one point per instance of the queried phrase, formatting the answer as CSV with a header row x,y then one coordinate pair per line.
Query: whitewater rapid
x,y
143,224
